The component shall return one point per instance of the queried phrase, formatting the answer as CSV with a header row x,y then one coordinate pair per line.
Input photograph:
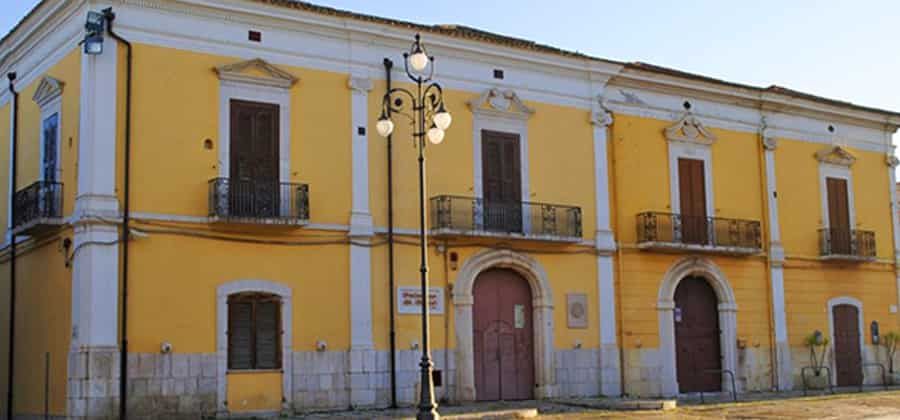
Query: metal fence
x,y
41,200
471,214
692,230
262,201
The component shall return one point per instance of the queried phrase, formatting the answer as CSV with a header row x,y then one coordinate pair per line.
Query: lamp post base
x,y
427,406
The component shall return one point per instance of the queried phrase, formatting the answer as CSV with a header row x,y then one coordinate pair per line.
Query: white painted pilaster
x,y
95,269
362,353
610,362
783,368
892,163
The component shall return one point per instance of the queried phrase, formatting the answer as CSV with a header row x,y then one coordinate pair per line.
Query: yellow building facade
x,y
596,227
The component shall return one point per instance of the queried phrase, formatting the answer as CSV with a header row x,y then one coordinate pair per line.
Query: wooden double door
x,y
698,352
847,357
692,199
503,337
501,171
839,216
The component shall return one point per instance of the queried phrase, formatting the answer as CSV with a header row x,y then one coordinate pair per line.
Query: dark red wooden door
x,y
838,216
503,337
697,336
692,188
254,159
847,360
502,181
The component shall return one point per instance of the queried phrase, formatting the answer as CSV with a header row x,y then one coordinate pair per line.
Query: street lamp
x,y
93,36
429,118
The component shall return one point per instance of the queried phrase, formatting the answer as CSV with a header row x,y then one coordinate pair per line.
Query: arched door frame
x,y
846,300
222,293
542,306
699,267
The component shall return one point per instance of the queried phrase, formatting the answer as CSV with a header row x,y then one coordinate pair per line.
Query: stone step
x,y
619,404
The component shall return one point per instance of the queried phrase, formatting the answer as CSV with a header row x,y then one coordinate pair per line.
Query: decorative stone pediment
x,y
500,103
835,155
48,90
691,130
257,72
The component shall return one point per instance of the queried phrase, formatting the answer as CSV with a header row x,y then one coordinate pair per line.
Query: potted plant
x,y
890,341
817,344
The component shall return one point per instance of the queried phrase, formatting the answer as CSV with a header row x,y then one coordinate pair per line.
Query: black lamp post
x,y
429,119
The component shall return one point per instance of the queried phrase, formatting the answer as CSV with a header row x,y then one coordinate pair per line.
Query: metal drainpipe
x,y
388,65
126,218
12,248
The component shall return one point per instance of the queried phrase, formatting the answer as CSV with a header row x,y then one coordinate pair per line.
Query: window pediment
x,y
495,102
835,155
257,72
690,129
49,89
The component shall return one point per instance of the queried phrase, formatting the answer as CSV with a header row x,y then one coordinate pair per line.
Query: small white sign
x,y
519,314
409,300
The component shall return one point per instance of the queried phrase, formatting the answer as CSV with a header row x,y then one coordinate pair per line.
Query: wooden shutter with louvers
x,y
692,188
240,335
254,331
501,181
838,215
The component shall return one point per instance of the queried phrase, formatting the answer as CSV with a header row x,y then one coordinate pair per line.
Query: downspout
x,y
12,248
126,218
388,64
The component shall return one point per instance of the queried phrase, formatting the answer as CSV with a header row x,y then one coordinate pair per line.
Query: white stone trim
x,y
860,316
692,266
361,216
828,170
690,150
503,112
273,90
285,293
610,375
601,119
50,102
542,301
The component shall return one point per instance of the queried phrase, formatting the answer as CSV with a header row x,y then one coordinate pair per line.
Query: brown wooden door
x,y
502,181
254,162
503,337
838,216
692,188
698,356
847,360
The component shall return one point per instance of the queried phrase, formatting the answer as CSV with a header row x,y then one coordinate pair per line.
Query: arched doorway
x,y
667,309
846,335
503,336
697,345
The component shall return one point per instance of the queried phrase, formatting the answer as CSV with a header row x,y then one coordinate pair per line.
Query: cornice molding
x,y
601,116
359,84
48,90
242,72
500,103
835,155
689,129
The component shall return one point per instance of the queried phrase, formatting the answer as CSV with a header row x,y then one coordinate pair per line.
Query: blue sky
x,y
839,49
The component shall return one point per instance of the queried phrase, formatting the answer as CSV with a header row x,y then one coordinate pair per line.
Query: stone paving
x,y
872,404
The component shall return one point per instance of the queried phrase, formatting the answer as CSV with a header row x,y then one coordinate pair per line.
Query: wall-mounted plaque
x,y
409,300
576,310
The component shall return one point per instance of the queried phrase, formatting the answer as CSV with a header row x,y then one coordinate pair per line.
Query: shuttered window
x,y
254,331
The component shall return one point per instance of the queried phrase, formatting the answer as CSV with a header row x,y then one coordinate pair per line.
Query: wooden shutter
x,y
51,139
501,171
254,151
268,333
692,188
838,215
254,331
240,335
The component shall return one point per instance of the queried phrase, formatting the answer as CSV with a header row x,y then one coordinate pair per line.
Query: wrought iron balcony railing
x,y
38,206
262,202
455,215
690,233
846,244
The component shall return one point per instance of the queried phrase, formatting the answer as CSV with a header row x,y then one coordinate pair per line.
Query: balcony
x,y
38,208
843,244
677,233
256,202
468,216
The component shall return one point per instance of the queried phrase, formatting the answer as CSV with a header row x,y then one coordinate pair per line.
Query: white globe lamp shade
x,y
442,120
418,61
385,127
435,135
